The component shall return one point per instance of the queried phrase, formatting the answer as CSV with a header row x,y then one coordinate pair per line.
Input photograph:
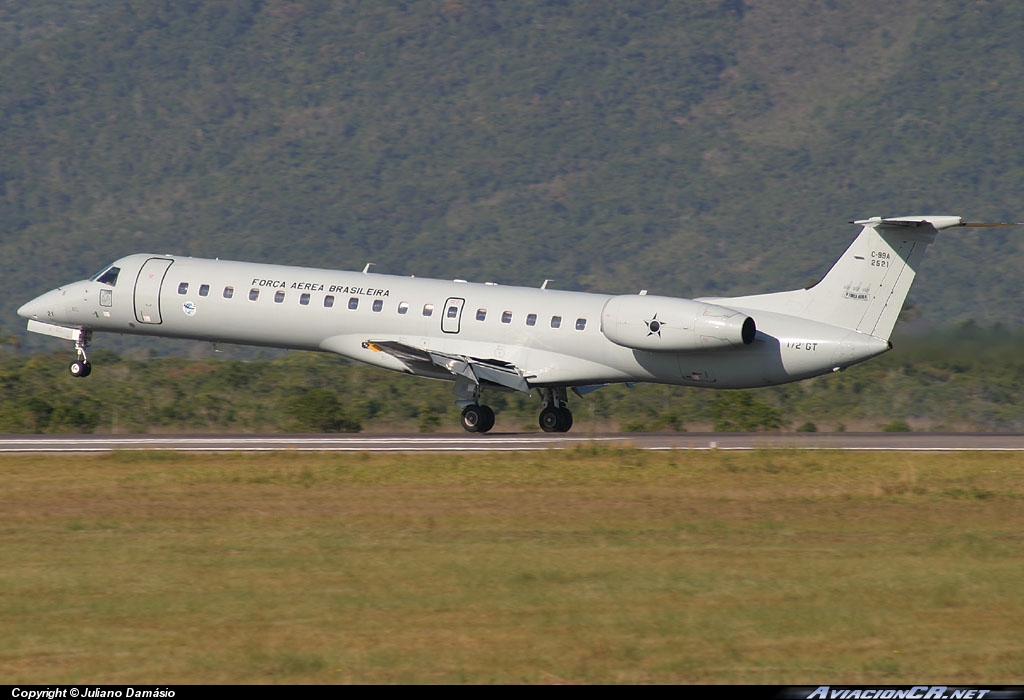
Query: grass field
x,y
584,566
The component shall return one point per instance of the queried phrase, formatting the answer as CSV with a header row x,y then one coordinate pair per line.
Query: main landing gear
x,y
555,420
477,418
555,417
80,366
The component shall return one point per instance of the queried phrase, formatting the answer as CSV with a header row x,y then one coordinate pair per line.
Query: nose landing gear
x,y
81,367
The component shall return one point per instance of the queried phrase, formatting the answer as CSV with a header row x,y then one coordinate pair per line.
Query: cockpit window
x,y
108,276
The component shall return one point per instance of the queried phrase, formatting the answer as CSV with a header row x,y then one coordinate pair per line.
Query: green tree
x,y
318,410
739,411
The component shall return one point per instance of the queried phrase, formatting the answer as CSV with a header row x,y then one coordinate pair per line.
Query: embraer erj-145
x,y
486,336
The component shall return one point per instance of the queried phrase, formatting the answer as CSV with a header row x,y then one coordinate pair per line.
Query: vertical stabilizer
x,y
865,289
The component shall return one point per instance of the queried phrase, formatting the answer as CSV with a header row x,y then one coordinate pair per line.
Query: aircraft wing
x,y
475,369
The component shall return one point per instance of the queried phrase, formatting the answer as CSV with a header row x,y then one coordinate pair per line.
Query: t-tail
x,y
865,289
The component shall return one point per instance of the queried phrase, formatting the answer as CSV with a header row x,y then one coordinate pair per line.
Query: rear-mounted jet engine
x,y
665,324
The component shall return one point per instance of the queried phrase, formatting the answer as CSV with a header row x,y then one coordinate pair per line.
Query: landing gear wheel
x,y
566,419
488,421
555,420
80,368
477,419
472,417
550,420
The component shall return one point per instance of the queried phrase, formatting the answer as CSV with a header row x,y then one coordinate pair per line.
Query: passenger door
x,y
147,290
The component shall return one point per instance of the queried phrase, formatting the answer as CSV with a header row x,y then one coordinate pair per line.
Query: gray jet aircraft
x,y
492,337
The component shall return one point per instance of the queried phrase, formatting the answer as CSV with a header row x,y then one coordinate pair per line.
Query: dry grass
x,y
586,566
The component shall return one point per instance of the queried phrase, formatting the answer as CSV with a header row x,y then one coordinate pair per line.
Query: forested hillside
x,y
965,378
702,147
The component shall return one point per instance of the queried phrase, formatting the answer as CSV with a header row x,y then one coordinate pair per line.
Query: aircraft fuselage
x,y
556,338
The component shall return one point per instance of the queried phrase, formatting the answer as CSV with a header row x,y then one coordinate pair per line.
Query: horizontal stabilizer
x,y
911,222
937,222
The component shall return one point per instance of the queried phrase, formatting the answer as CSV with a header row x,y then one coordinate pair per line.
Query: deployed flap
x,y
503,375
405,353
475,369
459,366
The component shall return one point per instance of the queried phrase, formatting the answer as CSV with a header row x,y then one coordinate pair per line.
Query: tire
x,y
550,420
78,368
473,417
566,419
488,419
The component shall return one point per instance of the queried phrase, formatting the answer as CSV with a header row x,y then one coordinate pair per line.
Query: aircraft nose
x,y
38,307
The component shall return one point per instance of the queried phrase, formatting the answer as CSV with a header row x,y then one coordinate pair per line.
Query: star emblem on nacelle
x,y
654,326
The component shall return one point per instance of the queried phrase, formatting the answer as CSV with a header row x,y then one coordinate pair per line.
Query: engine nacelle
x,y
667,324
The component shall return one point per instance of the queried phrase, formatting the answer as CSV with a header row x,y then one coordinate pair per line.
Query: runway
x,y
497,442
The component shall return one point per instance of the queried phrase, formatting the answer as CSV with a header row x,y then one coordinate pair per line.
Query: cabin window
x,y
428,309
403,307
453,311
108,276
556,321
353,303
481,314
278,296
304,299
204,290
506,317
581,324
329,301
378,304
531,319
183,288
229,292
254,294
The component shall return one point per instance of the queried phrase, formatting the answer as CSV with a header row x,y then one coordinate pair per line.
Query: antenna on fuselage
x,y
545,285
367,268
